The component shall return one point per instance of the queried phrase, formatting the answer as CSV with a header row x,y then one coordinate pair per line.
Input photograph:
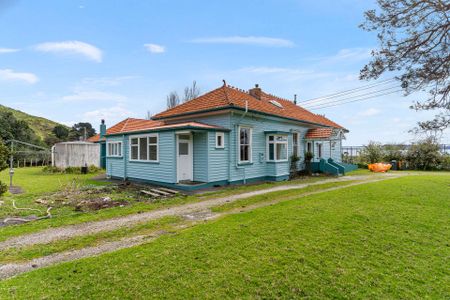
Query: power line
x,y
350,91
352,97
357,100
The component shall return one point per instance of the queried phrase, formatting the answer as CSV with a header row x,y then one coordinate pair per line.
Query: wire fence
x,y
351,154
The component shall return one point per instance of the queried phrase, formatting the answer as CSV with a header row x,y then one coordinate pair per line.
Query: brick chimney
x,y
256,92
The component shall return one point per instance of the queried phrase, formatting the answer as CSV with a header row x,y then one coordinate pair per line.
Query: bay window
x,y
277,148
144,148
245,144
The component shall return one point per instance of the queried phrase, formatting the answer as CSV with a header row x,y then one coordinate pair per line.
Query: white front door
x,y
184,157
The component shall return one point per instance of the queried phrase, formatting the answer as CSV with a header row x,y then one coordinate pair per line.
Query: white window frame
x,y
275,150
319,150
110,146
148,144
222,135
250,142
296,145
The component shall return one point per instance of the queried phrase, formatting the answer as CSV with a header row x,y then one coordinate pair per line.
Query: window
x,y
220,140
295,143
309,147
115,149
245,144
276,103
144,148
277,147
319,150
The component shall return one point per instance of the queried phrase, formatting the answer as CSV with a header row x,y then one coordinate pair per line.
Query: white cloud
x,y
369,112
8,50
84,96
155,48
72,47
104,81
11,75
111,115
246,40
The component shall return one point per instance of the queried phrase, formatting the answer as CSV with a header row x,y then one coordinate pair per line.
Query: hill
x,y
42,127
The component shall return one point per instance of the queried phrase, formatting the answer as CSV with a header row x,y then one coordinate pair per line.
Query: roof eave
x,y
168,129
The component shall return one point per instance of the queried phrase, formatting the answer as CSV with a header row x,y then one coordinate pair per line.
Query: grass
x,y
384,240
279,195
36,184
40,250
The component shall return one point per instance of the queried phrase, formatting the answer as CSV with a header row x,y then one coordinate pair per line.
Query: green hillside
x,y
42,127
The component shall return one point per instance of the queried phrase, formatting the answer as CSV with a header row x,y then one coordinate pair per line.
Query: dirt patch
x,y
13,220
99,203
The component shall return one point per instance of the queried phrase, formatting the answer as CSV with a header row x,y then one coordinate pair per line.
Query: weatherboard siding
x,y
259,166
200,148
211,164
163,170
218,158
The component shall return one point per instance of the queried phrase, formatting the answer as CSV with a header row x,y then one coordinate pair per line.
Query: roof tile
x,y
228,97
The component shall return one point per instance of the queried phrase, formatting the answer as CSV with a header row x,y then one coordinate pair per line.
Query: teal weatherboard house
x,y
225,136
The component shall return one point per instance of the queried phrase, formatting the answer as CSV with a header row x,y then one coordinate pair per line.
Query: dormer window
x,y
276,103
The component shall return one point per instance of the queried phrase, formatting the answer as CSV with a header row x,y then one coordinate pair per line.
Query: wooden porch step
x,y
150,193
168,190
160,192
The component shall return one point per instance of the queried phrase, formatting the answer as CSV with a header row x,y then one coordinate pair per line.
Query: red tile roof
x,y
136,125
94,139
319,133
229,97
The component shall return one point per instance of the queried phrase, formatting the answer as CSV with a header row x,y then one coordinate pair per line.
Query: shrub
x,y
445,162
424,155
393,152
372,153
3,188
69,170
52,170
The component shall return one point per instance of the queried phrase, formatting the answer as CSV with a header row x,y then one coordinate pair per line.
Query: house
x,y
225,136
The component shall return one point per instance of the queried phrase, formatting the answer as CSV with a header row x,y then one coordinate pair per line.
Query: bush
x,y
445,162
393,152
372,153
69,170
424,155
3,188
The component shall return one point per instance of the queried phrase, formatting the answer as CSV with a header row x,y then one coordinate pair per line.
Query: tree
x,y
12,128
191,92
372,153
414,37
424,155
173,99
79,130
4,155
61,132
393,152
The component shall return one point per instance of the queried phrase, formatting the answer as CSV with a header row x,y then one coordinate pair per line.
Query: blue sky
x,y
76,61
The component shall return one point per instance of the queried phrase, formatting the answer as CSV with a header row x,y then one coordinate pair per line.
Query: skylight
x,y
276,103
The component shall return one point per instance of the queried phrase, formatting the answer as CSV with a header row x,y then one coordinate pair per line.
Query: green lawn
x,y
384,240
36,184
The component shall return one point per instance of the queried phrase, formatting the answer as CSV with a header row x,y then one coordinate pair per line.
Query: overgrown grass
x,y
39,250
384,240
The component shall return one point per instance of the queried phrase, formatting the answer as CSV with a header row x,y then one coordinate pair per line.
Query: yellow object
x,y
379,167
